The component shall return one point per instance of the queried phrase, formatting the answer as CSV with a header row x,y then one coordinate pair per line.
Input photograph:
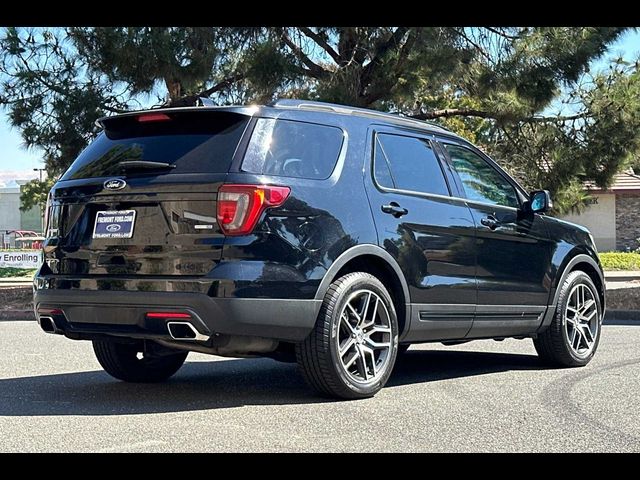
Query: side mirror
x,y
540,201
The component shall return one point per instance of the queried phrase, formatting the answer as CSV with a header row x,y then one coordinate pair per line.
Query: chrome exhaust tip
x,y
48,325
185,331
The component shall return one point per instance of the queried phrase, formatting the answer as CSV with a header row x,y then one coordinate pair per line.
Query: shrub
x,y
620,260
6,272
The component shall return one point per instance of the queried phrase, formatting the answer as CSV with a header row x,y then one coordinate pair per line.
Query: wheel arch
x,y
589,266
377,261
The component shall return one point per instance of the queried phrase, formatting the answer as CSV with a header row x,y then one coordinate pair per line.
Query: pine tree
x,y
525,95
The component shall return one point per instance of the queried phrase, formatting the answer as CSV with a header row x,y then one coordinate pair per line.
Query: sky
x,y
16,162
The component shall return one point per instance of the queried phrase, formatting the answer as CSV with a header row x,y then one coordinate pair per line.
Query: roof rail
x,y
347,110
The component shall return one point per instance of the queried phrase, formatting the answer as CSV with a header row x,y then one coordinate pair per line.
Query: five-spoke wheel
x,y
364,337
572,338
352,349
581,320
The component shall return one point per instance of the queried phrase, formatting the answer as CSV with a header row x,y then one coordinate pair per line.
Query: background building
x,y
11,218
613,215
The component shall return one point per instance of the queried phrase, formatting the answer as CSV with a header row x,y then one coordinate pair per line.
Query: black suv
x,y
331,235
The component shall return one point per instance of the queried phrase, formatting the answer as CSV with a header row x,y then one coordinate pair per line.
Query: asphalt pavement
x,y
481,396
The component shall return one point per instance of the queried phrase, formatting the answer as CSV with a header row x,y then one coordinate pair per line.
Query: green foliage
x,y
494,86
620,260
51,96
7,272
34,193
572,199
185,59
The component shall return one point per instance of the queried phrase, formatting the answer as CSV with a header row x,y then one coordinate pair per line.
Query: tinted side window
x,y
292,149
480,180
408,163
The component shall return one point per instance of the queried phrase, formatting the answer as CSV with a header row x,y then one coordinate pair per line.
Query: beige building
x,y
613,215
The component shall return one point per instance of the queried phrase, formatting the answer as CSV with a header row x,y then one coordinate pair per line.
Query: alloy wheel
x,y
364,339
581,320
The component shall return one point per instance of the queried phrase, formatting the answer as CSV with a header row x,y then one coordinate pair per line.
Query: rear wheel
x,y
573,336
352,349
131,362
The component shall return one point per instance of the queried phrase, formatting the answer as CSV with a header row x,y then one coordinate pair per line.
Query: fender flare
x,y
579,258
358,251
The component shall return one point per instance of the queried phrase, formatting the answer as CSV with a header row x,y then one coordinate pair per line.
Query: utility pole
x,y
40,170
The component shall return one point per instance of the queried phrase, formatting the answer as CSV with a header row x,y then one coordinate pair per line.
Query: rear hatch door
x,y
141,199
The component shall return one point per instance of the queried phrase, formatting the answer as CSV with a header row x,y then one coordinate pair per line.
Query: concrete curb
x,y
614,274
12,315
614,280
622,317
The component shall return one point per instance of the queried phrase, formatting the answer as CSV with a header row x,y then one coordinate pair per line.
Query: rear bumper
x,y
88,313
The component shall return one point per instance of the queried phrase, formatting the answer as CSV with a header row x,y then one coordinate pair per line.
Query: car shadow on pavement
x,y
419,366
223,384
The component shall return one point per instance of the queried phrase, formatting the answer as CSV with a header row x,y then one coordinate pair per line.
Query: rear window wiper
x,y
144,164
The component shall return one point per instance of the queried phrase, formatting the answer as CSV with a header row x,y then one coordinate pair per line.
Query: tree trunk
x,y
174,88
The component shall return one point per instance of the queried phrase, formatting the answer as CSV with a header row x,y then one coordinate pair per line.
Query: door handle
x,y
490,221
394,209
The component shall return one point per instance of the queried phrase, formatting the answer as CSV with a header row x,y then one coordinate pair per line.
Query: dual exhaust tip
x,y
46,319
179,325
48,324
185,331
178,329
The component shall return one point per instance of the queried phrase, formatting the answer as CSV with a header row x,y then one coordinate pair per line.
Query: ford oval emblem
x,y
114,227
115,184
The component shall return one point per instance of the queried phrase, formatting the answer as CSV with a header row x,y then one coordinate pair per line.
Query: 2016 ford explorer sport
x,y
333,235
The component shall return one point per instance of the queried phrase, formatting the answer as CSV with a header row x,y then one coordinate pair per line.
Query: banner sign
x,y
20,258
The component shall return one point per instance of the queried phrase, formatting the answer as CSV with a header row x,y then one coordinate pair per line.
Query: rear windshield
x,y
195,142
292,149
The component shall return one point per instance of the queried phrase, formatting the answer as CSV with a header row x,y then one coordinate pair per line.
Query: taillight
x,y
45,223
240,206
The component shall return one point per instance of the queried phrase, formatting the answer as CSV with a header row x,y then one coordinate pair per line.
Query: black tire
x,y
317,355
120,360
553,345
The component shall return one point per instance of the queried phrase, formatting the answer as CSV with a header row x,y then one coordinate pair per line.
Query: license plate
x,y
114,224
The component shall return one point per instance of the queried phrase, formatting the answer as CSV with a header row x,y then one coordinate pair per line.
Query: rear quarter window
x,y
293,149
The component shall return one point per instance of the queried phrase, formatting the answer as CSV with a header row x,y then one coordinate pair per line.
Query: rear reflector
x,y
50,311
167,315
153,117
239,206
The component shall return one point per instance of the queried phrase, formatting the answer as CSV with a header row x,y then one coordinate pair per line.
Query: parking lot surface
x,y
481,396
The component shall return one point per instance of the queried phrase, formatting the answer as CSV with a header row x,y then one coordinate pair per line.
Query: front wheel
x,y
573,336
352,349
131,362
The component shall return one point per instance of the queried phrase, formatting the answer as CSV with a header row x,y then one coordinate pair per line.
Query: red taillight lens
x,y
45,223
153,117
239,206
